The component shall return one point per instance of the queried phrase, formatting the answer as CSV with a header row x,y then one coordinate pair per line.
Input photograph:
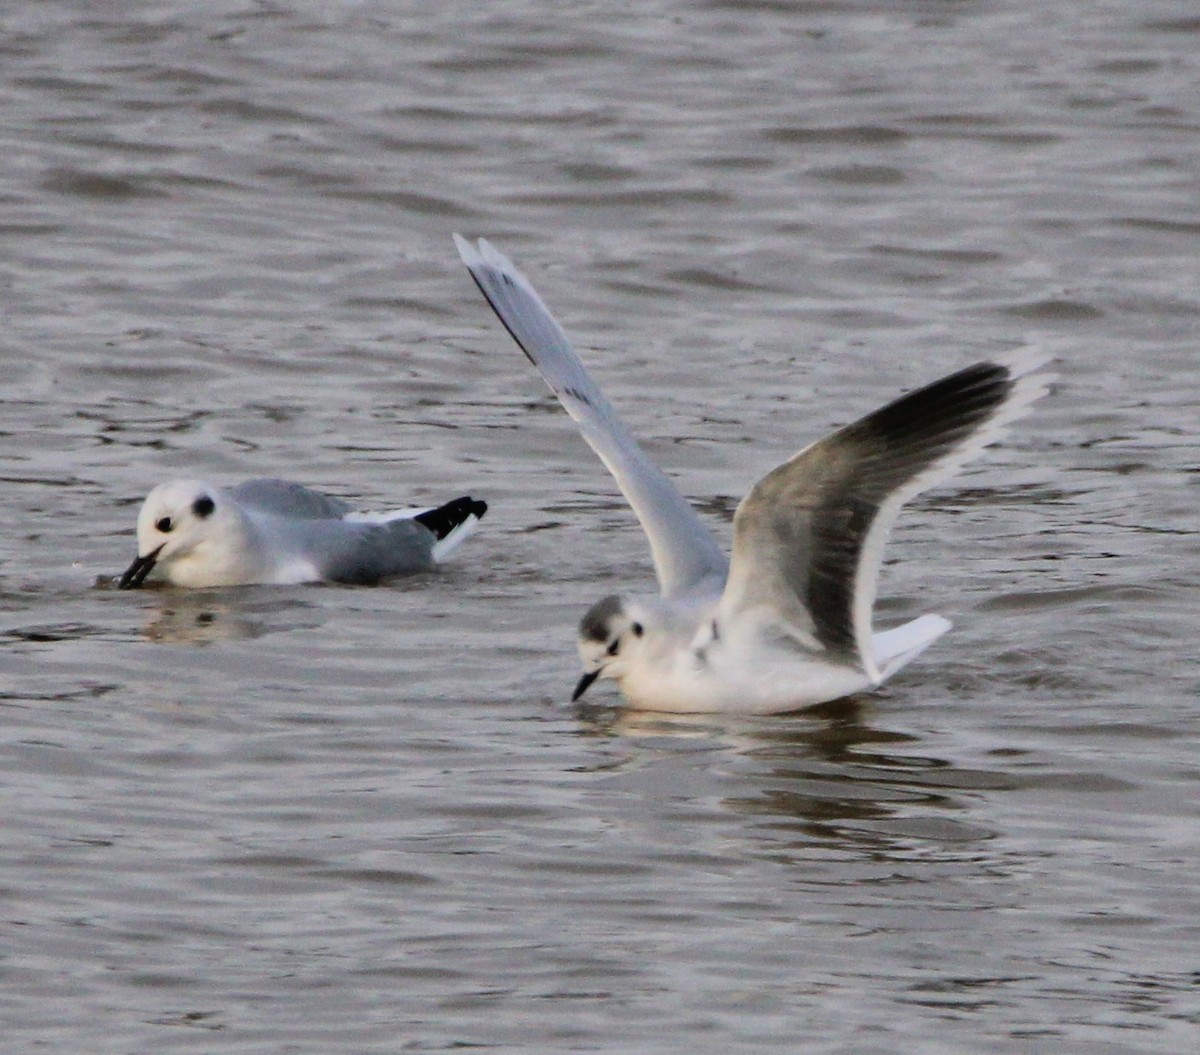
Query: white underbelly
x,y
772,685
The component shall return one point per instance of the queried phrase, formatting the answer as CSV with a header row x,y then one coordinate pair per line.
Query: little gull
x,y
786,622
271,531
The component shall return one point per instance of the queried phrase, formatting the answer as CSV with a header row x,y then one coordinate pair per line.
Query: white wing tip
x,y
1027,360
470,255
483,254
384,517
444,547
1031,373
1033,370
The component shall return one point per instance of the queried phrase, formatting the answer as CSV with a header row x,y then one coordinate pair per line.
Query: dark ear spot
x,y
203,506
594,625
163,524
638,630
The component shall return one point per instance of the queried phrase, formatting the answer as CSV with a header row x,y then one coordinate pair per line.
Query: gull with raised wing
x,y
193,534
786,623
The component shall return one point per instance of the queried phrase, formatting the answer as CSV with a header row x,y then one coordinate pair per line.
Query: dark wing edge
x,y
809,537
685,553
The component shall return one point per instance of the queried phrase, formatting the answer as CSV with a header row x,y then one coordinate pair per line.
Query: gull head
x,y
178,520
612,639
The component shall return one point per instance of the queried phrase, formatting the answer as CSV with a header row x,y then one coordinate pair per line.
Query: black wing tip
x,y
945,410
963,411
452,514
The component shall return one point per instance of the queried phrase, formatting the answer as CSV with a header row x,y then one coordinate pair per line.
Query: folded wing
x,y
685,554
361,553
287,499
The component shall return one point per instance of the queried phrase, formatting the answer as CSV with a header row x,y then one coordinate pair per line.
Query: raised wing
x,y
685,554
808,538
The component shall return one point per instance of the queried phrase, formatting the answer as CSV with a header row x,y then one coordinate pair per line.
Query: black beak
x,y
136,573
585,683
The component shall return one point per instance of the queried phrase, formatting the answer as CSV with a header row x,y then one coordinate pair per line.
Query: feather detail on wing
x,y
808,538
685,554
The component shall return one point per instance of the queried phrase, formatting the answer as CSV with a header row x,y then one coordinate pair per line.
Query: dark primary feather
x,y
446,518
808,520
887,449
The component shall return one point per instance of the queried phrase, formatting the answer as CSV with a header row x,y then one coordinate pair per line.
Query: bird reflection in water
x,y
201,617
823,777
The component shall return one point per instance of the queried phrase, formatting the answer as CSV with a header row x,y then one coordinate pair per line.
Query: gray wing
x,y
685,554
353,551
285,499
808,538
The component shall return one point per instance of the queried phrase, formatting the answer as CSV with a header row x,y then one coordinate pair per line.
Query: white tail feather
x,y
896,648
445,546
385,517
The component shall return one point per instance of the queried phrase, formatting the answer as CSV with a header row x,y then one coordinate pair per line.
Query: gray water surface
x,y
329,819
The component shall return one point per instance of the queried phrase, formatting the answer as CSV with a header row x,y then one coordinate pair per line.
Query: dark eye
x,y
164,524
203,506
637,630
615,647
